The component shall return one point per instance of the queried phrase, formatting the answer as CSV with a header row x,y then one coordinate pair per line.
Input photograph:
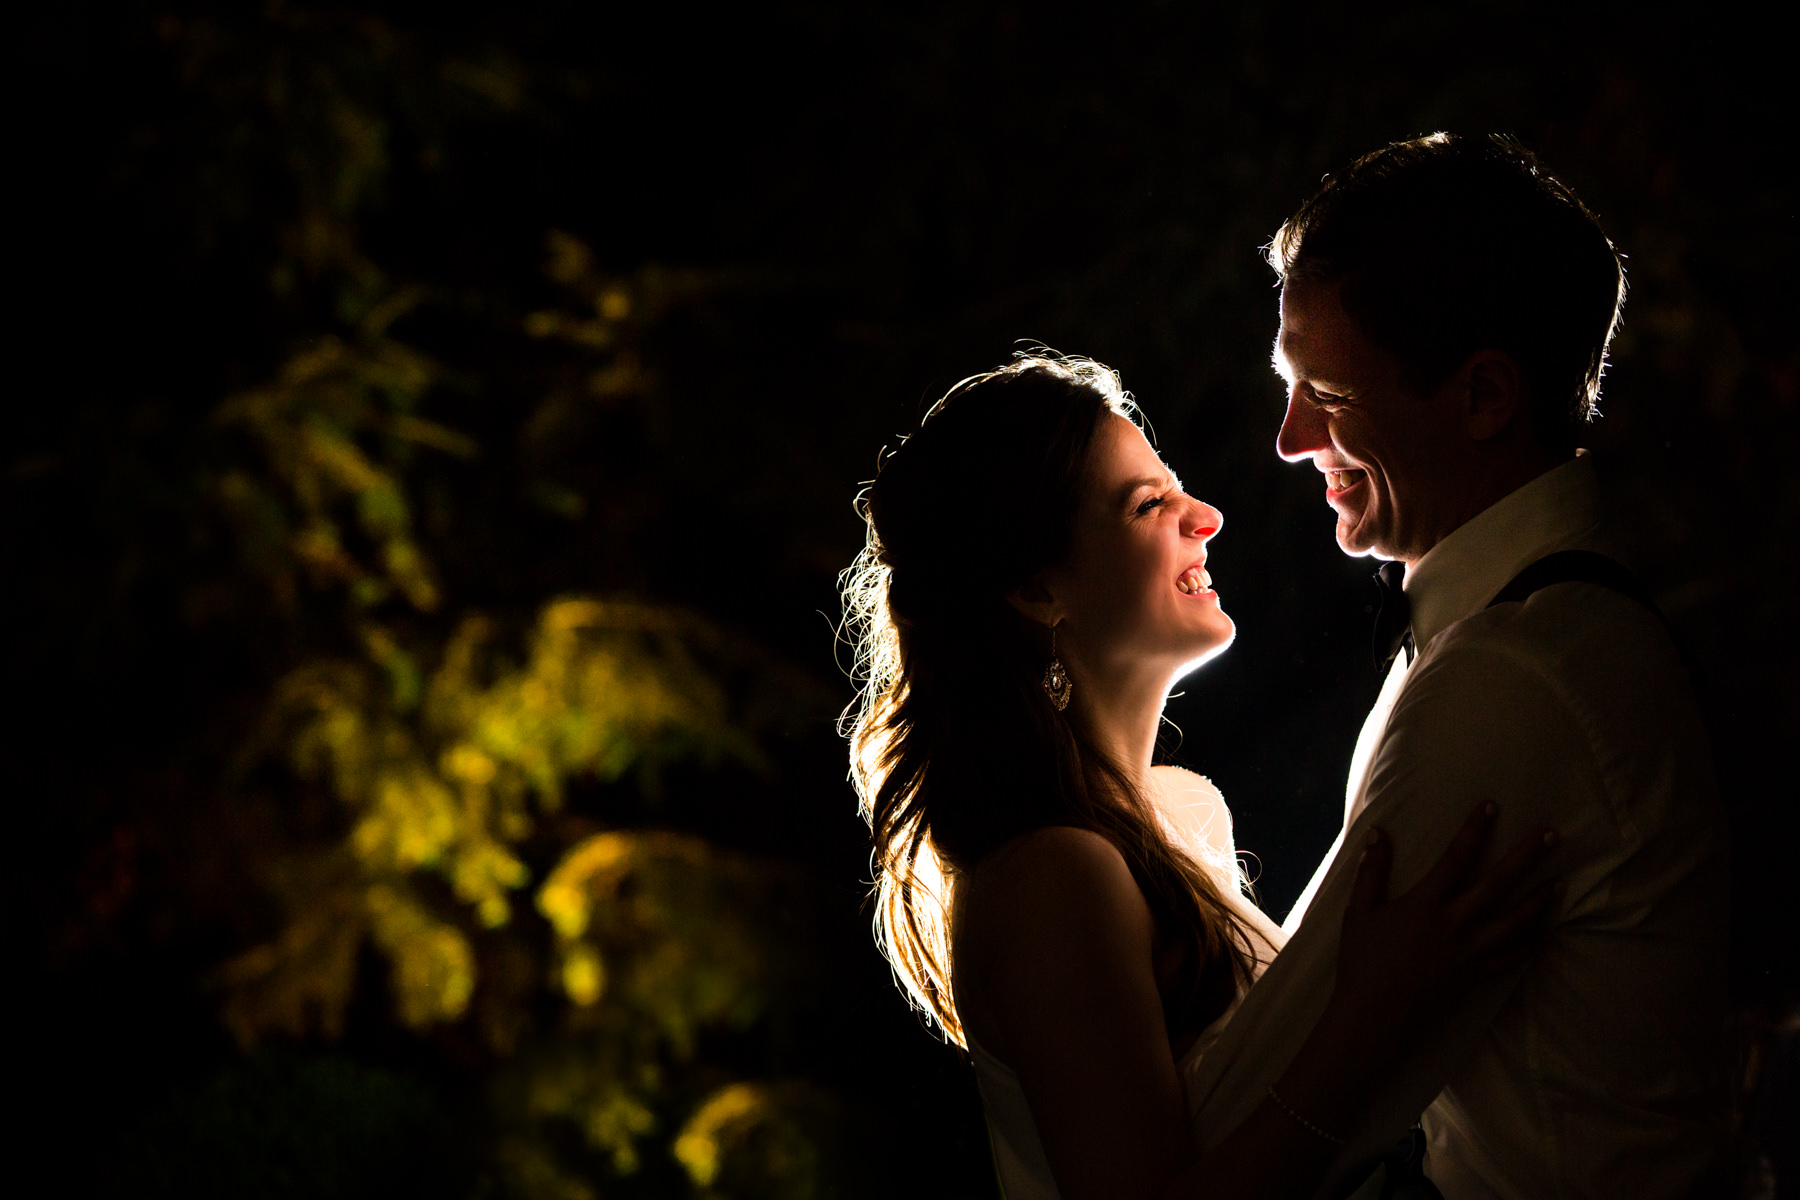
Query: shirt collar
x,y
1461,574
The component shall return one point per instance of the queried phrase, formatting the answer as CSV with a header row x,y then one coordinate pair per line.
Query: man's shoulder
x,y
1578,690
1572,635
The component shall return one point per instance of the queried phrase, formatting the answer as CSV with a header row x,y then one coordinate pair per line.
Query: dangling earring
x,y
1057,684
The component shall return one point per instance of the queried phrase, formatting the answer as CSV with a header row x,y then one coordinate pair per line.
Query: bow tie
x,y
1393,621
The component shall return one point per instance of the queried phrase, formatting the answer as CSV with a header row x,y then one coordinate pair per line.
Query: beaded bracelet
x,y
1303,1122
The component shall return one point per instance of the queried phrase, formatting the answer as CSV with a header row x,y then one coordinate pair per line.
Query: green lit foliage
x,y
754,1140
312,427
465,782
660,938
444,778
446,760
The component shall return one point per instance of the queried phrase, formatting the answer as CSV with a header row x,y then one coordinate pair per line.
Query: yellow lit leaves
x,y
662,936
682,933
418,759
442,775
583,974
698,1146
602,1083
612,313
497,80
606,686
302,980
433,965
313,427
760,1140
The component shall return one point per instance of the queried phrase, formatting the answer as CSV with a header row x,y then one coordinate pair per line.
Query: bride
x,y
1034,582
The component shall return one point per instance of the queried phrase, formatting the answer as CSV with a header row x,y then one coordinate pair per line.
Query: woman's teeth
x,y
1337,481
1194,580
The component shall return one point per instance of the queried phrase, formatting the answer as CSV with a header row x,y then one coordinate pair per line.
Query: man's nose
x,y
1302,427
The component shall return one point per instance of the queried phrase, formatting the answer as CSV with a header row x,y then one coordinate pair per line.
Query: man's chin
x,y
1353,540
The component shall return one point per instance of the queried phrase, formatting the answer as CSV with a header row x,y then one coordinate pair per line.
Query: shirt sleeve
x,y
1594,1070
1475,721
1479,722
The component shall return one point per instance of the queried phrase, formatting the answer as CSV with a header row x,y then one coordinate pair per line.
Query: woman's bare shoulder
x,y
1050,874
1051,883
1035,919
1184,779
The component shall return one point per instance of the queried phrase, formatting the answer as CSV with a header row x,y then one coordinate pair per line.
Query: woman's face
x,y
1135,593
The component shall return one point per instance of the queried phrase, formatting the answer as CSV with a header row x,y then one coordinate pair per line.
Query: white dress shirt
x,y
1597,1070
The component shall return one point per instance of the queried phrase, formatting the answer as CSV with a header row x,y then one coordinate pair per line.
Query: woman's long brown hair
x,y
955,747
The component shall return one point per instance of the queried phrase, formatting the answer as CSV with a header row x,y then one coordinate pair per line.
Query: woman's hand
x,y
1405,959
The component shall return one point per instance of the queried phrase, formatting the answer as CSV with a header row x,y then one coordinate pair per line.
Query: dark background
x,y
818,218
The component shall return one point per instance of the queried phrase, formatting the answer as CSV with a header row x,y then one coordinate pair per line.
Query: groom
x,y
1445,310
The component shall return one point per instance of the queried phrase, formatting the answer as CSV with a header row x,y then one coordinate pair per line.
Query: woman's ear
x,y
1034,601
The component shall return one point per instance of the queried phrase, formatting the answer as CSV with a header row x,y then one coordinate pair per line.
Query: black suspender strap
x,y
1576,566
1585,566
1404,1166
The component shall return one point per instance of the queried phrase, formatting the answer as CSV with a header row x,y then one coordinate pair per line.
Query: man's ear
x,y
1035,601
1493,393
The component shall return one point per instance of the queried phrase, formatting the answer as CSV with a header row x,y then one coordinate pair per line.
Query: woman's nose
x,y
1206,520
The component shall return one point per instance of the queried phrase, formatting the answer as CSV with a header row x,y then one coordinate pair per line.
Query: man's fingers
x,y
1515,929
1446,877
1496,888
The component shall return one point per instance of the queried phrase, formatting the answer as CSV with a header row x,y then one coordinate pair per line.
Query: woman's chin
x,y
1210,648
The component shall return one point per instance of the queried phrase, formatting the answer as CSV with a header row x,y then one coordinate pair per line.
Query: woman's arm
x,y
1402,963
1054,977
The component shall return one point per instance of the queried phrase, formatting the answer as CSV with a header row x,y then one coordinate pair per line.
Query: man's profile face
x,y
1384,449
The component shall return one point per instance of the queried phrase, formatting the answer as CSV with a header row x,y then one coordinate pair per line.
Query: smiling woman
x,y
1133,604
958,747
1073,917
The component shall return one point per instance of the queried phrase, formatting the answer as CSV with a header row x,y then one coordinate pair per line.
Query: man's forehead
x,y
1278,356
1289,338
1312,328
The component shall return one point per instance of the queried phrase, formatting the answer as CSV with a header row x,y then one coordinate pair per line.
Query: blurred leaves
x,y
334,432
685,935
661,938
445,776
456,732
754,1140
445,779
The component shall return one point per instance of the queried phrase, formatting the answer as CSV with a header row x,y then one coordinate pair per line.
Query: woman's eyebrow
x,y
1153,482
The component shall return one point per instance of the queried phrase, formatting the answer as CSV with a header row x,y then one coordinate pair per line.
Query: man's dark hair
x,y
1445,246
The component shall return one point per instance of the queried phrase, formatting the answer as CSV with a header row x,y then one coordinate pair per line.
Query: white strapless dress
x,y
1198,817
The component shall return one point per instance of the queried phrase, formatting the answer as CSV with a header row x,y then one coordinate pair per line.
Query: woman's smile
x,y
1138,533
1196,582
